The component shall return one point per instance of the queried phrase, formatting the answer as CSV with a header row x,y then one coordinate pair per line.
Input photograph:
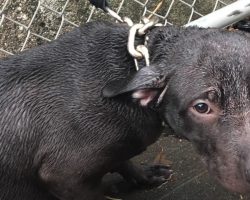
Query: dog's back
x,y
51,109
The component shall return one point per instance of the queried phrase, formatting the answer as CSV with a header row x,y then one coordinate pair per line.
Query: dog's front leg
x,y
144,175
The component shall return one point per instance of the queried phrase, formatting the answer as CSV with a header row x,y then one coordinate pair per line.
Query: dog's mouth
x,y
229,175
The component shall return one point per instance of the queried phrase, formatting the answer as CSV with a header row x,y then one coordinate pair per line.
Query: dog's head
x,y
199,80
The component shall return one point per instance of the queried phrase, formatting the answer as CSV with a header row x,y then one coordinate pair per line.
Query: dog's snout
x,y
242,122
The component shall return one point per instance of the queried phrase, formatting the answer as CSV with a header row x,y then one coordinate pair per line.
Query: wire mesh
x,y
28,23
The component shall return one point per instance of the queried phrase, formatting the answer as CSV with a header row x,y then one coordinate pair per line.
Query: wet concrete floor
x,y
190,181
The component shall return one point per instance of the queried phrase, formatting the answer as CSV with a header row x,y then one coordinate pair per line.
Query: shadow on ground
x,y
190,181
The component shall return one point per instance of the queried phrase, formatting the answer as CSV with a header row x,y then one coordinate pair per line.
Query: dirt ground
x,y
190,181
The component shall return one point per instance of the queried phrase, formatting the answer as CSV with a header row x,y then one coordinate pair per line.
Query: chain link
x,y
25,24
140,29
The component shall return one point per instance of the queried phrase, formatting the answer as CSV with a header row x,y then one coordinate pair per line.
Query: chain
x,y
140,51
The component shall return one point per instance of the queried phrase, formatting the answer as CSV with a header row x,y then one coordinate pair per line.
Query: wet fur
x,y
60,134
194,61
57,132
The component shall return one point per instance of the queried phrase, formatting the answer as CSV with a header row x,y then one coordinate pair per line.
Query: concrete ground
x,y
190,181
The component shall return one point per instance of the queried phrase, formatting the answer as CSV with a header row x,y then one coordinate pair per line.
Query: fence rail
x,y
28,23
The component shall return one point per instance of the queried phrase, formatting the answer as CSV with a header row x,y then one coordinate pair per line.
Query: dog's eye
x,y
204,111
202,108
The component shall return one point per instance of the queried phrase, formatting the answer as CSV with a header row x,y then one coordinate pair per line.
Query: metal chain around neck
x,y
140,29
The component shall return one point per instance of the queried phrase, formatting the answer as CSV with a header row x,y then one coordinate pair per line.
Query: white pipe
x,y
224,16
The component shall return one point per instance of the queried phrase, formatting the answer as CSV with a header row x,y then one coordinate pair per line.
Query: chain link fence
x,y
28,23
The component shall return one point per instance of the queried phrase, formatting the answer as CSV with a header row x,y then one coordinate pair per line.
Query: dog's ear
x,y
144,85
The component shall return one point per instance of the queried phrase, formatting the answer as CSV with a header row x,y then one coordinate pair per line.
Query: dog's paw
x,y
152,175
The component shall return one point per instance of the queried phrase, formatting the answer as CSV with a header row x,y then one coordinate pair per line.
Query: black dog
x,y
75,109
203,79
58,135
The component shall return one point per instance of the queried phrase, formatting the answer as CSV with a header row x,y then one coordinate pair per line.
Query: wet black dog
x,y
58,133
203,78
75,109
